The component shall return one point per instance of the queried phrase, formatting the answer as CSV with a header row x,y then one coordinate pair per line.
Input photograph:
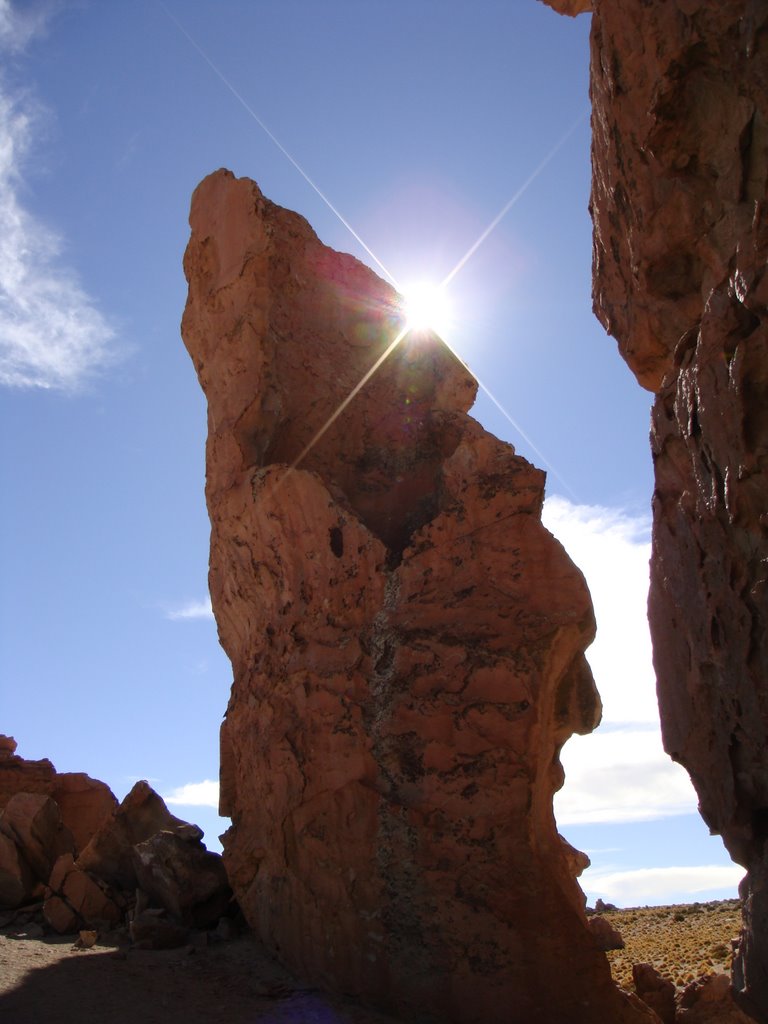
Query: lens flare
x,y
427,307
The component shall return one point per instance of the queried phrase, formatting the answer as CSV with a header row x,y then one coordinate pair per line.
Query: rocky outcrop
x,y
88,861
656,991
141,815
605,935
85,804
183,878
570,7
407,643
18,775
76,899
711,1002
33,822
679,200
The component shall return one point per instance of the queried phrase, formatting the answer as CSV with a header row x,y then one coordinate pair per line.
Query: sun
x,y
427,307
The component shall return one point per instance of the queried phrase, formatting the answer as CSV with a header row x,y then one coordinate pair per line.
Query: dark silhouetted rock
x,y
17,881
712,1001
605,935
109,855
184,878
152,929
656,991
33,822
77,899
679,185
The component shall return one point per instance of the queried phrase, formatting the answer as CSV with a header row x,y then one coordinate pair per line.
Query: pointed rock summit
x,y
407,643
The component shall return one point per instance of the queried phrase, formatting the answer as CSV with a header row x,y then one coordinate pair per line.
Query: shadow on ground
x,y
230,984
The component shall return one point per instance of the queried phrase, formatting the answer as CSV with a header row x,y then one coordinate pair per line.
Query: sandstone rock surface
x,y
712,1003
605,935
33,822
85,804
407,643
680,180
181,876
655,991
570,7
78,899
41,836
17,881
18,775
142,814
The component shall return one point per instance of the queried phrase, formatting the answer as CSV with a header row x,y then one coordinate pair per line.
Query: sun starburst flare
x,y
427,307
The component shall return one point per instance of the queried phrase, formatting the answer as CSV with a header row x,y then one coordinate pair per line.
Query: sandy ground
x,y
46,981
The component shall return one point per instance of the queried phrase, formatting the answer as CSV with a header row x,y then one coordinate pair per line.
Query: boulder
x,y
18,775
655,990
17,881
712,1001
109,854
85,804
33,822
605,935
603,908
77,900
406,639
8,747
183,877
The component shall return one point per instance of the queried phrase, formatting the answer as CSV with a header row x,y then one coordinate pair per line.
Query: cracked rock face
x,y
407,643
680,180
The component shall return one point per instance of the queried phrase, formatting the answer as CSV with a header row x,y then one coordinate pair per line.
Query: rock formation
x,y
679,200
407,643
18,775
68,848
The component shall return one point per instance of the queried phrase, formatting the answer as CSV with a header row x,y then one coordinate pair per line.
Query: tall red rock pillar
x,y
680,204
407,643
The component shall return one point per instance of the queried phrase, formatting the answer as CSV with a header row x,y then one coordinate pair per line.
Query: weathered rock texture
x,y
407,643
679,199
18,775
69,843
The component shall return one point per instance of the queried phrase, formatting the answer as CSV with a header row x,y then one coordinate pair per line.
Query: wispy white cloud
x,y
620,776
195,794
17,27
613,550
51,333
191,610
661,885
620,773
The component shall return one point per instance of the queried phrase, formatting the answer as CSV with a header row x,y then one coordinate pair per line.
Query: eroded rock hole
x,y
336,538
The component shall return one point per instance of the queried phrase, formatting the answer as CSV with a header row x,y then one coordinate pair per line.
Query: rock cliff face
x,y
679,199
407,643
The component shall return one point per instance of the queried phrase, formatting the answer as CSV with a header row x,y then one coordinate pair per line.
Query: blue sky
x,y
419,121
